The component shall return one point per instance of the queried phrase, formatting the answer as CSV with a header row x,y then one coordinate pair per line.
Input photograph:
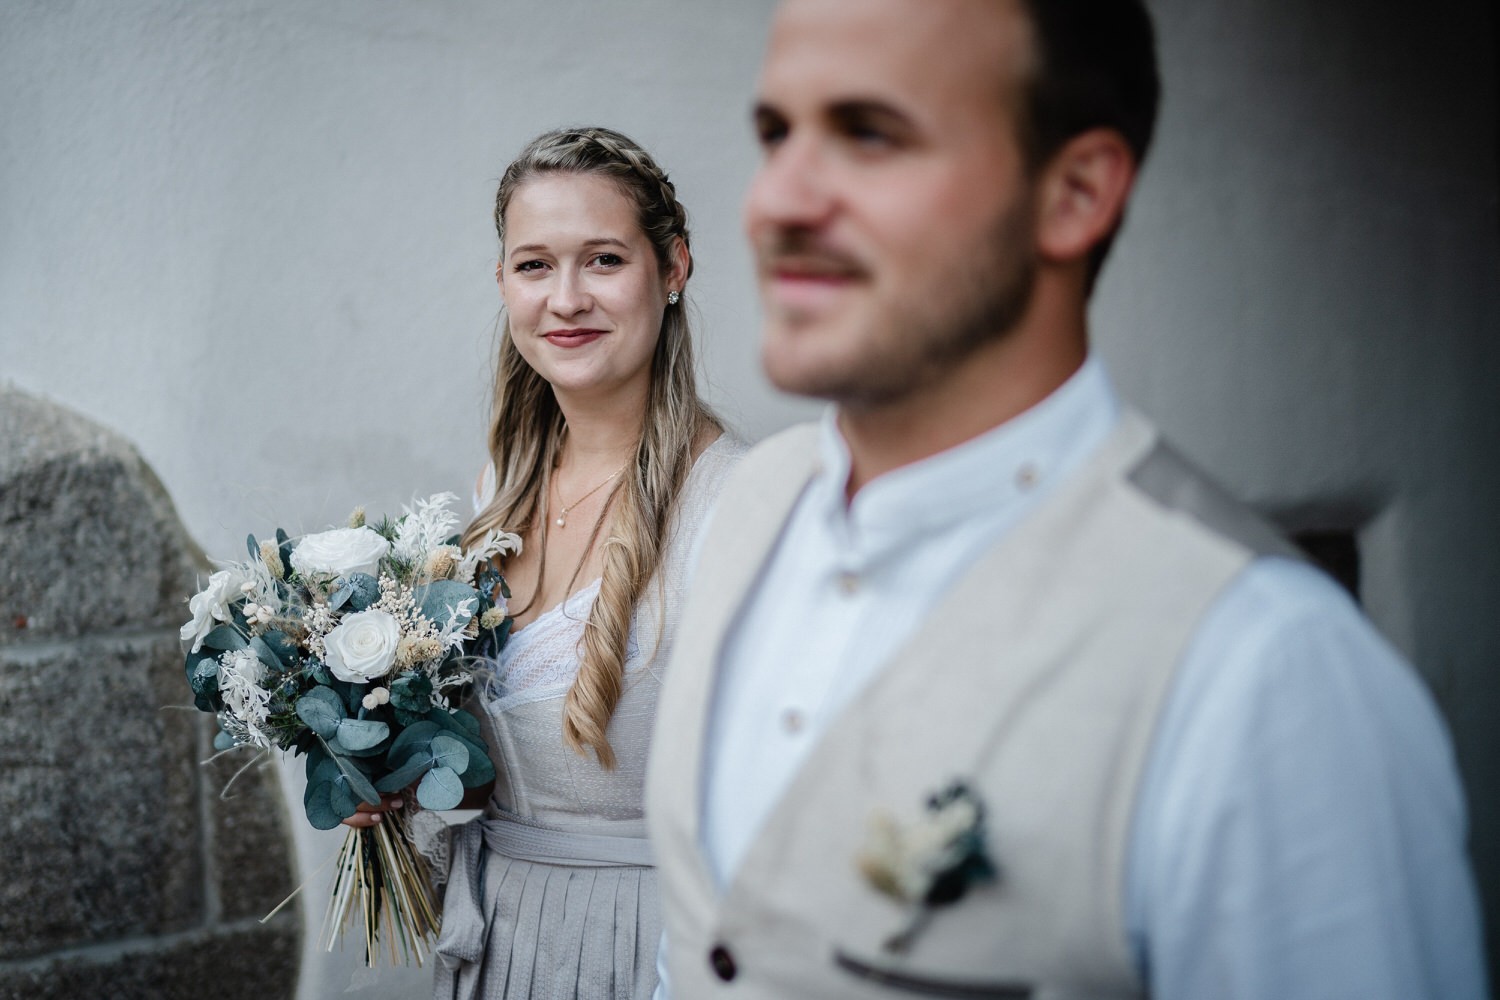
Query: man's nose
x,y
791,188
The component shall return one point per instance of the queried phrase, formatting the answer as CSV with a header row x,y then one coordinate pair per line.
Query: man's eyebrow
x,y
868,111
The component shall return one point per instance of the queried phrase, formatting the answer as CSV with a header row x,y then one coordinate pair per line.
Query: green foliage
x,y
224,638
322,710
440,789
412,691
440,599
361,734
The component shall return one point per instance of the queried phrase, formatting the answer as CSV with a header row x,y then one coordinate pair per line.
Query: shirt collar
x,y
1006,466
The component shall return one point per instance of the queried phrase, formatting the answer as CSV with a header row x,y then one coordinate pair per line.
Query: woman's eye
x,y
608,260
526,266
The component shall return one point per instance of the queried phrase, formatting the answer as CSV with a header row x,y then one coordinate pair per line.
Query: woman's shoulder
x,y
710,469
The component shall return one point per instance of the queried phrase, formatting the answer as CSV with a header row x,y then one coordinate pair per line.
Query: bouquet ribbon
x,y
461,939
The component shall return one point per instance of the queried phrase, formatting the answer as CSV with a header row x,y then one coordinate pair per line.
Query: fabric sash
x,y
461,939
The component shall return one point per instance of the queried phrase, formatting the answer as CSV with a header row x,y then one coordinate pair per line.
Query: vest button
x,y
722,962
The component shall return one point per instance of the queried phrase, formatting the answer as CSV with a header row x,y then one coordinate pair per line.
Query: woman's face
x,y
582,286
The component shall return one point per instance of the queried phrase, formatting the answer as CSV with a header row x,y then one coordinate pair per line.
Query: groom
x,y
982,691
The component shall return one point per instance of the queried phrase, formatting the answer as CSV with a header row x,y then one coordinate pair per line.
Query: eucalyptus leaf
x,y
282,645
439,599
440,789
223,741
319,807
266,654
322,710
343,800
253,546
361,734
340,595
398,779
364,590
412,691
320,766
417,736
203,675
481,770
224,638
450,751
358,783
457,721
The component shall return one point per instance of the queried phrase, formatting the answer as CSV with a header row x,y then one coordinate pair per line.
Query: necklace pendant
x,y
561,522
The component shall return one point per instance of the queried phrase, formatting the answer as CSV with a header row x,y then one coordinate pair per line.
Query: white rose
x,y
362,647
210,606
340,552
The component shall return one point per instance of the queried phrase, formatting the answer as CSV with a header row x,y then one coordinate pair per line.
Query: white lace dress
x,y
549,893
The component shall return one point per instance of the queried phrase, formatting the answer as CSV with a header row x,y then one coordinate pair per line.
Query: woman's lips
x,y
573,338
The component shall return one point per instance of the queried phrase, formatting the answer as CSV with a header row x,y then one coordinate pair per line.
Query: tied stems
x,y
380,875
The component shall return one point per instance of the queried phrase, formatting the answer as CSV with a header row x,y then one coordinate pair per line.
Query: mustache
x,y
803,252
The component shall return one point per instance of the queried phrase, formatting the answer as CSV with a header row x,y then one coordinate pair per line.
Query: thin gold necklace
x,y
562,515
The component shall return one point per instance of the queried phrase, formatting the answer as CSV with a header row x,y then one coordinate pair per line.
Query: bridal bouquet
x,y
354,646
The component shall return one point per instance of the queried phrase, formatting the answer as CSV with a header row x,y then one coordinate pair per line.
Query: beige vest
x,y
1037,678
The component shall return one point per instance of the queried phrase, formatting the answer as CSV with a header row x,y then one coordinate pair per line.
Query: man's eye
x,y
869,135
770,129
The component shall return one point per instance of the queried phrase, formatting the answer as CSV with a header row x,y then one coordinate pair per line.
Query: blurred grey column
x,y
123,873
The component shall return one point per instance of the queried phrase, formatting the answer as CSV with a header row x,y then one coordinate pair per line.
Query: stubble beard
x,y
921,340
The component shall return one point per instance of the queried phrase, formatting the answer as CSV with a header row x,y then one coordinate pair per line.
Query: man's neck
x,y
997,383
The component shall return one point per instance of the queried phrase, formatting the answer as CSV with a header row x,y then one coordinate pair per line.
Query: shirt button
x,y
722,962
793,721
1026,477
849,583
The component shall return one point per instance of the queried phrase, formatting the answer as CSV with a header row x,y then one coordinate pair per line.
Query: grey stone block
x,y
246,817
124,874
83,521
247,962
101,790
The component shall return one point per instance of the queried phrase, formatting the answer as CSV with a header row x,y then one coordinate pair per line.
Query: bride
x,y
605,461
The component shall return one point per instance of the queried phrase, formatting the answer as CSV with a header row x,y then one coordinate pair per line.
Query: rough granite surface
x,y
125,872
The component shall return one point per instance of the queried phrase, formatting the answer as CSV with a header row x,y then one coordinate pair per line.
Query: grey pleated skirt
x,y
558,931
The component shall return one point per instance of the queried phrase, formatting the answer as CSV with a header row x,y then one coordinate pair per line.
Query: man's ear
x,y
1081,194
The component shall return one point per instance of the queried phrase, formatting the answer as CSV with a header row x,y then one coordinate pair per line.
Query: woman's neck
x,y
602,431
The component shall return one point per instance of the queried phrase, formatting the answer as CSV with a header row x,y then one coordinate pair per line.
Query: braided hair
x,y
527,427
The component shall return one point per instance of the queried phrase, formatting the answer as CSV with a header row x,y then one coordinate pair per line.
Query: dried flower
x,y
441,562
492,618
357,518
930,862
270,554
413,651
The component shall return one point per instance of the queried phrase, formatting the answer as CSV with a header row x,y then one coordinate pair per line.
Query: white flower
x,y
362,647
493,544
377,697
339,552
240,674
210,606
426,527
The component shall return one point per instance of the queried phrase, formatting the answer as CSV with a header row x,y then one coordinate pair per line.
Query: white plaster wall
x,y
254,237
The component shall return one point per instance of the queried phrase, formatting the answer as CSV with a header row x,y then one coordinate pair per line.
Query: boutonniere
x,y
929,863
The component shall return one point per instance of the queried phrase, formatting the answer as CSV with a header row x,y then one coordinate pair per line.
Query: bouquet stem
x,y
380,875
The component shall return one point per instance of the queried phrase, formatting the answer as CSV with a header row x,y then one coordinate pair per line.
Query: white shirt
x,y
1300,830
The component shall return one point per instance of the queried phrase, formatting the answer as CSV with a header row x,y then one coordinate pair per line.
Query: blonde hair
x,y
527,428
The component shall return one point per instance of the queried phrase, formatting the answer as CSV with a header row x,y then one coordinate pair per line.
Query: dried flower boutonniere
x,y
930,863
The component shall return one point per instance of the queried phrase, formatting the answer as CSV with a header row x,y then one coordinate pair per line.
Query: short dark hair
x,y
1095,68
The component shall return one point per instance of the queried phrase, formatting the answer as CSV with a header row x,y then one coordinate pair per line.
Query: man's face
x,y
891,216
